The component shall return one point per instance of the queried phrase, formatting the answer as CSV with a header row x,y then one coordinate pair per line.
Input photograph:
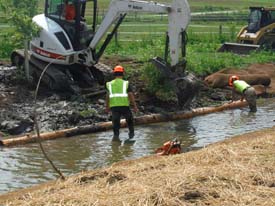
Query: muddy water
x,y
24,165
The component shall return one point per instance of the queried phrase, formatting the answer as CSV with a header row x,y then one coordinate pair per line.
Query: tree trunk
x,y
26,62
99,127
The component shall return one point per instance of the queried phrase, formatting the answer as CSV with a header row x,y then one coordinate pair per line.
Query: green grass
x,y
143,41
202,5
202,55
149,31
202,59
196,5
214,5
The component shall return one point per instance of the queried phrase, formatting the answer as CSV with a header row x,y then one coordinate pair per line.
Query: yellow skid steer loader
x,y
258,34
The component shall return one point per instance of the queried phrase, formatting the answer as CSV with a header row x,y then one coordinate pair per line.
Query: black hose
x,y
36,122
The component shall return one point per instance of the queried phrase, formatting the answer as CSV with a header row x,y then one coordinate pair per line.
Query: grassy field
x,y
142,36
201,5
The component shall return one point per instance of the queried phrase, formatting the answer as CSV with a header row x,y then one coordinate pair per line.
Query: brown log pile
x,y
260,76
219,80
99,127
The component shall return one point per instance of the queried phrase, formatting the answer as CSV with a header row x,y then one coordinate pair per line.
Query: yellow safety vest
x,y
118,95
240,85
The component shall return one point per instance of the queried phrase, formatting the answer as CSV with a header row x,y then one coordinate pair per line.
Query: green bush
x,y
8,42
157,84
87,113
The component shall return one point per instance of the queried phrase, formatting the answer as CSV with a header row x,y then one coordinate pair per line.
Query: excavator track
x,y
65,78
102,72
53,78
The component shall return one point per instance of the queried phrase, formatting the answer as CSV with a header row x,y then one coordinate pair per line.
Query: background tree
x,y
19,15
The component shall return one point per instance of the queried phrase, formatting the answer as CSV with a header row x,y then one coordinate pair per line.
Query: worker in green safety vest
x,y
118,100
247,92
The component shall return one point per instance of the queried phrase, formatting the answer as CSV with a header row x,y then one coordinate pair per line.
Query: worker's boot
x,y
131,135
253,109
130,140
116,139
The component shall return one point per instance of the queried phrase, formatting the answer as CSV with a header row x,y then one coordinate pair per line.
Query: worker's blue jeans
x,y
124,111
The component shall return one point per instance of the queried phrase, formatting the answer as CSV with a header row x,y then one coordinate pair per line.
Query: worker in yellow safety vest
x,y
118,99
247,92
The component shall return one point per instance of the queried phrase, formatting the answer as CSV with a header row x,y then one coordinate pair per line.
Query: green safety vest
x,y
240,85
118,95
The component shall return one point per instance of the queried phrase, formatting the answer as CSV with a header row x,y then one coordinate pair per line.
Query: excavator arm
x,y
178,16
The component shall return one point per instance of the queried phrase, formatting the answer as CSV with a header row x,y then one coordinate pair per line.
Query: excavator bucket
x,y
186,85
237,48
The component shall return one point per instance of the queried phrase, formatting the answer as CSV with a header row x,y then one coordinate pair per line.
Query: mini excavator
x,y
73,48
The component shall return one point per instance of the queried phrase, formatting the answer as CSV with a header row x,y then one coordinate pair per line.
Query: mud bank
x,y
238,171
55,110
104,126
59,111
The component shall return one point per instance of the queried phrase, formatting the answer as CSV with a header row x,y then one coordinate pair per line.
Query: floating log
x,y
99,127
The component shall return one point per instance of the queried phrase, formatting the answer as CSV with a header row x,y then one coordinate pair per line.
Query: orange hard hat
x,y
118,68
232,79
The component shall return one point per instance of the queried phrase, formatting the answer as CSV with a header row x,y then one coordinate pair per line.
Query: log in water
x,y
99,127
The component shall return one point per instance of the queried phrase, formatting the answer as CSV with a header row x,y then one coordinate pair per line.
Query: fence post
x,y
26,62
97,15
220,30
103,14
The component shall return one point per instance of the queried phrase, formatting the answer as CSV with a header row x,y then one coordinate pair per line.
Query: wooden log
x,y
103,126
93,94
219,80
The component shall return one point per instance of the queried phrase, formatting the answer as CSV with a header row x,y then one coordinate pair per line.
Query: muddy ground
x,y
58,111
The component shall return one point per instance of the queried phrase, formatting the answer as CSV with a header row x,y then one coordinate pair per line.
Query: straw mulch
x,y
233,173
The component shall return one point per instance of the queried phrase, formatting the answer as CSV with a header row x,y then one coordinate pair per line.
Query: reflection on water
x,y
24,165
215,127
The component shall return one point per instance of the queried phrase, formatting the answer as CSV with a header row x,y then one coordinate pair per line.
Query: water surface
x,y
25,165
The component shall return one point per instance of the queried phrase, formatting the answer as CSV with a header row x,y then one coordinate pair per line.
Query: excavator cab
x,y
70,15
